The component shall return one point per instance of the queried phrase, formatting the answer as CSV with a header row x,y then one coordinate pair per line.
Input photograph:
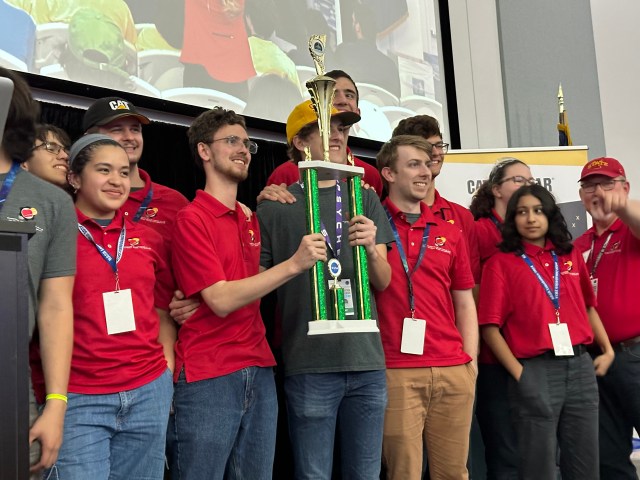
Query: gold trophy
x,y
322,90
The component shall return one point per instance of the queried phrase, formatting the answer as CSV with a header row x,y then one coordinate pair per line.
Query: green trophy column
x,y
318,285
363,295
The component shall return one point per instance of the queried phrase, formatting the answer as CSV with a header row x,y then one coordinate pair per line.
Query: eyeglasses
x,y
605,185
51,147
519,180
234,141
444,147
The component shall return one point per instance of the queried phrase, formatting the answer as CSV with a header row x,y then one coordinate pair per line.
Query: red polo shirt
x,y
217,39
105,363
617,274
211,244
162,209
487,238
288,174
512,298
457,215
444,267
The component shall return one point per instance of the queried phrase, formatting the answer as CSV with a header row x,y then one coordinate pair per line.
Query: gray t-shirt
x,y
282,226
52,250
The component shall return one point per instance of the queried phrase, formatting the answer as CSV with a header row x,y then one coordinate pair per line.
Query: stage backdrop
x,y
556,168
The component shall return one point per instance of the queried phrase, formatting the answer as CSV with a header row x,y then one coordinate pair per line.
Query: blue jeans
x,y
354,402
225,427
119,436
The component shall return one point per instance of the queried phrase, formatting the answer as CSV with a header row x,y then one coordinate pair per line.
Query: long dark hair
x,y
483,200
558,233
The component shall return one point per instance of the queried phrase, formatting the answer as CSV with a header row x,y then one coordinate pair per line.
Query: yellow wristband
x,y
56,396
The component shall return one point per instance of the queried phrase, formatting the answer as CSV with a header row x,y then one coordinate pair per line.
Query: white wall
x,y
617,38
478,73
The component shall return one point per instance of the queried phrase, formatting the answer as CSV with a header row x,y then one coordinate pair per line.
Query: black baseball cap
x,y
107,109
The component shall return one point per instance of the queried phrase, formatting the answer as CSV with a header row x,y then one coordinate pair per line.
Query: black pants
x,y
619,414
555,404
494,418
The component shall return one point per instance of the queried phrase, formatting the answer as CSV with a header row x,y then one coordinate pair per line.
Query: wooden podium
x,y
14,346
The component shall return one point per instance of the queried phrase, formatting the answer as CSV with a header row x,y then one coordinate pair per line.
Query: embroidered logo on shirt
x,y
28,213
133,241
440,241
252,236
452,221
151,212
569,265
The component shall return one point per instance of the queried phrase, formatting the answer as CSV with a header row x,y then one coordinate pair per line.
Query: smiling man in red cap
x,y
611,249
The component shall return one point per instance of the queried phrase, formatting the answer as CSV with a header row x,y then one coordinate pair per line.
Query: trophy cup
x,y
332,320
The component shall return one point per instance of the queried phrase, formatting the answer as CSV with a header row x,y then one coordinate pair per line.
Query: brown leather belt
x,y
627,343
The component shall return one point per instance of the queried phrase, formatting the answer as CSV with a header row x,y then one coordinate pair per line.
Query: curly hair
x,y
422,125
558,232
483,200
206,125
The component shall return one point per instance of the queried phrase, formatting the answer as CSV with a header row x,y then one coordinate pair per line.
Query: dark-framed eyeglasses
x,y
519,180
51,147
606,185
443,147
235,141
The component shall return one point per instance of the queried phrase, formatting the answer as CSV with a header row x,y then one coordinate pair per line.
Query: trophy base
x,y
331,171
325,327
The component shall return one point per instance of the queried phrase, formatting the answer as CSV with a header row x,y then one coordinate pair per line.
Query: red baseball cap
x,y
609,167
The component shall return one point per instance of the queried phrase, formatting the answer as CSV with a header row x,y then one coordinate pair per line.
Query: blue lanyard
x,y
555,295
495,221
339,216
403,256
8,183
113,263
143,206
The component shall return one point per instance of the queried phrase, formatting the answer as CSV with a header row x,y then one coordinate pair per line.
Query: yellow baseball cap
x,y
304,114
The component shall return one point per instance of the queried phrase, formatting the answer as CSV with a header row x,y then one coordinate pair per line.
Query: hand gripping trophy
x,y
322,89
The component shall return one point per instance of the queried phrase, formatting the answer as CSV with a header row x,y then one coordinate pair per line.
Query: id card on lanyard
x,y
117,304
559,332
413,329
596,262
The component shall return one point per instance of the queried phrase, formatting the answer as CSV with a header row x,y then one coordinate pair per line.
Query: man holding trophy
x,y
334,365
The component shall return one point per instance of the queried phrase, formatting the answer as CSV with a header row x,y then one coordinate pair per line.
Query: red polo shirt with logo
x,y
617,274
213,243
461,217
288,174
162,209
444,267
512,298
104,363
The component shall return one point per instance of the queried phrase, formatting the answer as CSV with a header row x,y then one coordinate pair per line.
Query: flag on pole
x,y
564,134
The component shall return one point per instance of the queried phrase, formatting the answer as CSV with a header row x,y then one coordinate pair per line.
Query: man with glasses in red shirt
x,y
611,248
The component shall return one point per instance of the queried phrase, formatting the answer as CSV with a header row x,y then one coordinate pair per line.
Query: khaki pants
x,y
433,405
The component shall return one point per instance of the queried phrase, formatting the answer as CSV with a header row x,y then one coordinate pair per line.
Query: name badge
x,y
413,331
562,346
349,308
118,309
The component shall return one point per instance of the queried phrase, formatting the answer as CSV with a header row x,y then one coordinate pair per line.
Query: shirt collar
x,y
88,222
213,205
426,215
533,250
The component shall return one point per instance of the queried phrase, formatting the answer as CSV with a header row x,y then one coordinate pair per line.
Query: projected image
x,y
248,55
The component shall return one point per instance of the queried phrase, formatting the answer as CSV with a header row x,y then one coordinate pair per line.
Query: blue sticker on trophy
x,y
335,269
